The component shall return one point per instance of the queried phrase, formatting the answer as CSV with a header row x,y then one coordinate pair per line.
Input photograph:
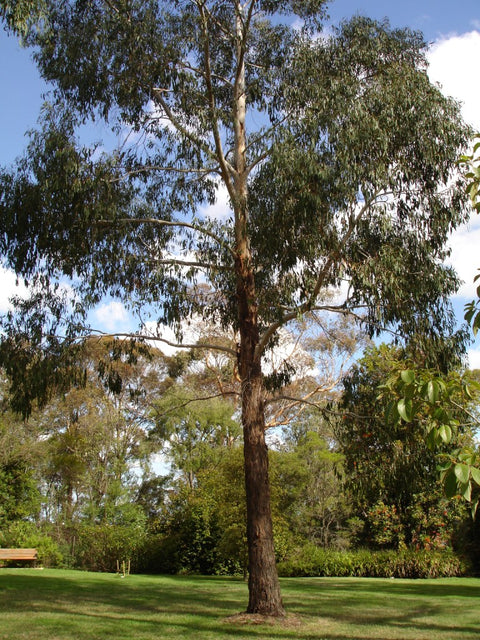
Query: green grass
x,y
56,605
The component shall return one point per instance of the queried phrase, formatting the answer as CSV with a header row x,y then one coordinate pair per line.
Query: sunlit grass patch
x,y
56,605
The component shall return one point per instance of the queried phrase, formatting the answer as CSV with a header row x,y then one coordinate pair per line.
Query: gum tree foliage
x,y
191,432
337,155
20,15
444,402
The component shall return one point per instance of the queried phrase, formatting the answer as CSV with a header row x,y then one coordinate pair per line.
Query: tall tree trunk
x,y
264,586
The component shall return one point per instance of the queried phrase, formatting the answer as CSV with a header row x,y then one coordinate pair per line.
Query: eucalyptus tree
x,y
335,153
20,15
193,434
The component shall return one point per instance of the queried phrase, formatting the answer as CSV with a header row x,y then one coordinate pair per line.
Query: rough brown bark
x,y
264,586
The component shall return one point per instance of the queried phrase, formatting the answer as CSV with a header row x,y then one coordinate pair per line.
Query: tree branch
x,y
475,419
226,169
200,144
176,345
201,399
171,223
186,263
149,168
308,305
202,73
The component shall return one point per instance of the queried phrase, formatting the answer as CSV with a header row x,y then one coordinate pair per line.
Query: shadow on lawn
x,y
393,603
156,593
448,587
170,606
86,606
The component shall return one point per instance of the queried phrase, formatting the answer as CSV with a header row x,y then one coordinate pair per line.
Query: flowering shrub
x,y
384,527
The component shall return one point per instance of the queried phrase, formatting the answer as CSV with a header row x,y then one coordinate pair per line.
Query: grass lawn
x,y
56,605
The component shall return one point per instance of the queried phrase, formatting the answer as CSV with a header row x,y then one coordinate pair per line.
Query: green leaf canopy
x,y
350,156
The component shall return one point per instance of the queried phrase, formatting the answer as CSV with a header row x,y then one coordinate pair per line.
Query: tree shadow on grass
x,y
22,591
448,587
425,605
90,606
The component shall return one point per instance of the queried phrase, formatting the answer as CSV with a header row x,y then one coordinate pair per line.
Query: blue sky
x,y
435,18
22,87
453,29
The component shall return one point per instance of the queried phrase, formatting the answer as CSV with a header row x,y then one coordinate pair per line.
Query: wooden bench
x,y
17,555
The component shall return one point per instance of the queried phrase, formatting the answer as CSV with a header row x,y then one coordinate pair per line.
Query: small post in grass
x,y
125,568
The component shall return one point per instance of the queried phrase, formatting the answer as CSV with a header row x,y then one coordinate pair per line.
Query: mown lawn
x,y
56,605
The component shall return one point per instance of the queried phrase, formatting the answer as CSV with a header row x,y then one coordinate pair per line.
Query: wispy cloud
x,y
112,317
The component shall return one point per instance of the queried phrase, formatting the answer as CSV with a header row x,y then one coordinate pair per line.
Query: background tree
x,y
19,452
320,508
98,438
343,177
391,463
191,432
75,467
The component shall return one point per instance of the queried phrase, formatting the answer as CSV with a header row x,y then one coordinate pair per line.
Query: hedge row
x,y
314,561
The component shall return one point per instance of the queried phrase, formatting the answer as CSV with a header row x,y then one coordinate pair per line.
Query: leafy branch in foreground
x,y
447,406
471,166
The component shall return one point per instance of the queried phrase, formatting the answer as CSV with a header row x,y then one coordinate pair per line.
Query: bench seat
x,y
19,554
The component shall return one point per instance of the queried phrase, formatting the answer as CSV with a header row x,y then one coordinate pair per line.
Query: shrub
x,y
24,534
99,546
384,526
315,561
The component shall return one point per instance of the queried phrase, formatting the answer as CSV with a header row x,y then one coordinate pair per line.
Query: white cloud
x,y
112,316
9,288
474,358
465,257
452,60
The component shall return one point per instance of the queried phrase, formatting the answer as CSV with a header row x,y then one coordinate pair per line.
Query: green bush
x,y
99,546
160,554
27,535
315,561
186,540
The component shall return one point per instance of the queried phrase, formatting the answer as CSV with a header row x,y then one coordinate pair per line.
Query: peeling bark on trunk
x,y
264,586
